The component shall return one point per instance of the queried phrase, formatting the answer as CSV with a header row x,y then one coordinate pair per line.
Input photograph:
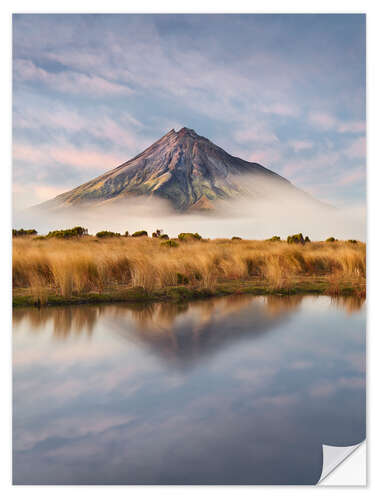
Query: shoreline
x,y
317,286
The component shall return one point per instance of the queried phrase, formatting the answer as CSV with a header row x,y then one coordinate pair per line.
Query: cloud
x,y
258,133
349,178
357,148
281,108
326,121
320,161
322,120
301,145
241,79
52,156
353,127
69,82
265,157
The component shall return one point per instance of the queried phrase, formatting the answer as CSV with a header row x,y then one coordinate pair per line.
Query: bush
x,y
236,238
189,236
298,238
164,237
158,233
182,279
169,243
139,233
274,238
75,232
331,239
352,241
126,234
107,234
23,232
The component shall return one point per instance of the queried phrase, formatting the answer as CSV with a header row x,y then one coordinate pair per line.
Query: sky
x,y
92,91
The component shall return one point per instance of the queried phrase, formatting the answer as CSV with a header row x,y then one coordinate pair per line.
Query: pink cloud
x,y
255,133
354,127
282,109
326,121
357,149
42,155
301,145
353,177
322,120
264,157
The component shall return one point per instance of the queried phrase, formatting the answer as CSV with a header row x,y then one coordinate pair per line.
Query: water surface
x,y
236,390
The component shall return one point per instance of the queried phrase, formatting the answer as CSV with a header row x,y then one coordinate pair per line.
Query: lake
x,y
234,390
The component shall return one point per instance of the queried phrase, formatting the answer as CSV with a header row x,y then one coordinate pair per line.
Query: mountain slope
x,y
182,167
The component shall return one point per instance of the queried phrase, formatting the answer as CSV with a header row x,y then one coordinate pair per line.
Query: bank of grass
x,y
90,269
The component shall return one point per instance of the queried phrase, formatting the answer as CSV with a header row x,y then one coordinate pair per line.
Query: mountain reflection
x,y
176,332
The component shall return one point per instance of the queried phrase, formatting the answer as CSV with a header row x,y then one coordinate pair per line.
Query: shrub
x,y
74,232
139,233
126,234
182,279
331,239
236,238
298,238
189,236
169,243
164,237
352,241
107,234
158,233
23,232
274,238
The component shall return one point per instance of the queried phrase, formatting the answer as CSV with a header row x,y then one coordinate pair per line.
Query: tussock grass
x,y
81,266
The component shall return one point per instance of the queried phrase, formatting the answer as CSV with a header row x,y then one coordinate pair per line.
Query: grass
x,y
90,269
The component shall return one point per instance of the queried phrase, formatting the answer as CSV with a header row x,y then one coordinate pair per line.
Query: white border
x,y
183,6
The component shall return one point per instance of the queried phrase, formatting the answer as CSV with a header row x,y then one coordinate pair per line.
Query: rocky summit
x,y
184,168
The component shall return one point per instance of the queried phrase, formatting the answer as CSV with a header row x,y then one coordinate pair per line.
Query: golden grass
x,y
74,267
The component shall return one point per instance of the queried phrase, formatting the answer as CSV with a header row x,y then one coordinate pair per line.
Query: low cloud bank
x,y
266,208
256,220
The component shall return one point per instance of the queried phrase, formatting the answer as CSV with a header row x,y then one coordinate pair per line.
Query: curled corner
x,y
334,456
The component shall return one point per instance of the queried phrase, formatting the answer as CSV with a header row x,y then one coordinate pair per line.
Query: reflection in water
x,y
180,332
351,303
260,384
163,317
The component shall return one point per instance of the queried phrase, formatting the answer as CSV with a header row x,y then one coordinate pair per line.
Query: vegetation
x,y
236,238
189,236
298,238
107,234
88,269
159,233
169,243
24,232
331,239
137,234
75,232
274,238
353,241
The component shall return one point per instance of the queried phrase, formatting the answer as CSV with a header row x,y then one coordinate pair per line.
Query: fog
x,y
264,210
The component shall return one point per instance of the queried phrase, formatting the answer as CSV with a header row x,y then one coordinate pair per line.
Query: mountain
x,y
184,168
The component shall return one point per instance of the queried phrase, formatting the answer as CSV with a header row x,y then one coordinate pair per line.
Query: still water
x,y
238,390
